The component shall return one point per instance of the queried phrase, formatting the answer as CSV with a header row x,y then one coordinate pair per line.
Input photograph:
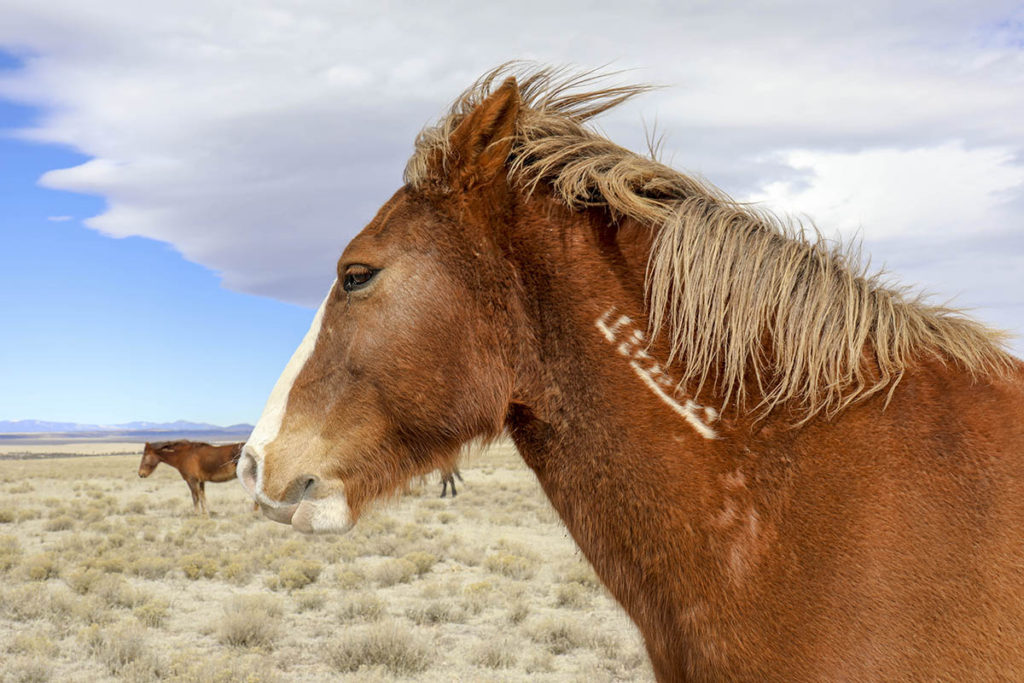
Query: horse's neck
x,y
636,483
174,459
636,469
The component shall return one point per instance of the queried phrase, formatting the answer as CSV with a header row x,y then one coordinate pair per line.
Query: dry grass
x,y
134,587
250,621
393,647
295,574
499,654
361,607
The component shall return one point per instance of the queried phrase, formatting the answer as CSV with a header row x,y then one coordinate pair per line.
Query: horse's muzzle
x,y
306,504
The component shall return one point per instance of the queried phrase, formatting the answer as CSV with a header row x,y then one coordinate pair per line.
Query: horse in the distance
x,y
196,461
783,468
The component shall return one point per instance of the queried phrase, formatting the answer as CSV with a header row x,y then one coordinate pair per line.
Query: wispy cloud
x,y
258,139
59,219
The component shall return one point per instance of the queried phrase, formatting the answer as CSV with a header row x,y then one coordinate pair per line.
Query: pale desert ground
x,y
105,576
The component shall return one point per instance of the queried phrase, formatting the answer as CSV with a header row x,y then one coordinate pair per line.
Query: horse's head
x,y
411,353
153,454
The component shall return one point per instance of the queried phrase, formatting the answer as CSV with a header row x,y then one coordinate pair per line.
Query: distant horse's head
x,y
410,354
155,453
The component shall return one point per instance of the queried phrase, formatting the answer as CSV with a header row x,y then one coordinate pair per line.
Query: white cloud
x,y
258,138
945,191
59,219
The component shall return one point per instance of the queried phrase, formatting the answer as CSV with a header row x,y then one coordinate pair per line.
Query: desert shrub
x,y
540,662
237,572
227,666
28,513
27,669
82,579
197,565
518,612
309,600
117,592
65,608
512,566
279,553
23,602
7,515
41,566
477,596
152,612
495,654
398,650
446,517
607,645
135,506
391,572
438,612
250,621
559,635
362,607
345,548
349,578
60,523
572,595
10,552
150,567
109,562
23,487
35,643
295,574
422,561
466,554
122,649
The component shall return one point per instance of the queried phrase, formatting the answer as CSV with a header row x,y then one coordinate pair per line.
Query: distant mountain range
x,y
42,426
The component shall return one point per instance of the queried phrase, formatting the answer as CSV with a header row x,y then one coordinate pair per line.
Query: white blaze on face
x,y
269,424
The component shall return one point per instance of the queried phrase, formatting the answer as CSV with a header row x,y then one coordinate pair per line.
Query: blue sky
x,y
214,158
103,330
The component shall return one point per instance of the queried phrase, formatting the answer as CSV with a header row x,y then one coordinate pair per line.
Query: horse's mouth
x,y
328,515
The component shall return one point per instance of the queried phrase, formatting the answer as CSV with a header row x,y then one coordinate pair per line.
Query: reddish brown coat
x,y
882,543
196,461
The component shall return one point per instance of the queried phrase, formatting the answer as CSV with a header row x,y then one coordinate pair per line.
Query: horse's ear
x,y
479,147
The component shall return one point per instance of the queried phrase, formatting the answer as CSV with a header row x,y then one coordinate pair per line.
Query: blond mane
x,y
747,299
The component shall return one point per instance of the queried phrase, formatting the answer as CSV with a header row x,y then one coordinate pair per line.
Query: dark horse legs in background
x,y
448,479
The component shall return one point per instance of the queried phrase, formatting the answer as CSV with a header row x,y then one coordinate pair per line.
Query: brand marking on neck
x,y
629,342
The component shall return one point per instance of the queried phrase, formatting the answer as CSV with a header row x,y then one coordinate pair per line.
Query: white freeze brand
x,y
629,342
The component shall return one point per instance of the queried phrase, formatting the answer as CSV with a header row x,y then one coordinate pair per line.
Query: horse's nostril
x,y
310,482
299,489
247,472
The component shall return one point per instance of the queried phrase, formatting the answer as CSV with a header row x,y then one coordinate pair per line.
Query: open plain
x,y
104,576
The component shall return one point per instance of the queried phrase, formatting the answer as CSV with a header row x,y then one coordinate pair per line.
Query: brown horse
x,y
782,468
197,462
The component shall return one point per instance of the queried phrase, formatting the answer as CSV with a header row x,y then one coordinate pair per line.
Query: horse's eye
x,y
357,277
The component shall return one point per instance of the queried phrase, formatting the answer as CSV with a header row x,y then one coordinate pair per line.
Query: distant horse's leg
x,y
193,488
202,498
451,480
444,484
458,474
